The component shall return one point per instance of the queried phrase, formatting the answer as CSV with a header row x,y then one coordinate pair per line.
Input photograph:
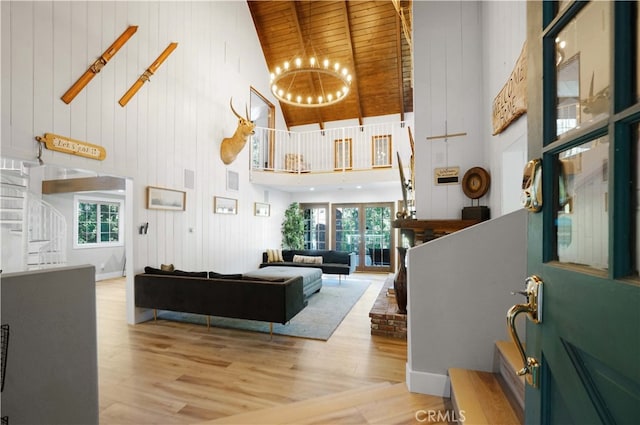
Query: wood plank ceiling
x,y
370,38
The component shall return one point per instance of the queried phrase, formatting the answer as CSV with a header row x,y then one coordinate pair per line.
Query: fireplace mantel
x,y
420,231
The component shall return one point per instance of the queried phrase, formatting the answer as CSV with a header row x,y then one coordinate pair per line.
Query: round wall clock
x,y
475,182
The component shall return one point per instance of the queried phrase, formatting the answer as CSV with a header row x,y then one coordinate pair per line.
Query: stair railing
x,y
47,225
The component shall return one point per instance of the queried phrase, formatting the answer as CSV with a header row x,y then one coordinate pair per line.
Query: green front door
x,y
583,117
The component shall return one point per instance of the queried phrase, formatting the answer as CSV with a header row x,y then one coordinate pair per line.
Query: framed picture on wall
x,y
343,154
225,205
159,198
261,209
381,151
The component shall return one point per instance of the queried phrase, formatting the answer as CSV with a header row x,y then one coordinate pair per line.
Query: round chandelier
x,y
310,84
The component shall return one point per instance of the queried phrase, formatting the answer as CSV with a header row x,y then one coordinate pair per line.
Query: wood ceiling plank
x,y
365,41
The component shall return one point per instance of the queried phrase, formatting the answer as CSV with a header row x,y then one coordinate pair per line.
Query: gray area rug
x,y
318,320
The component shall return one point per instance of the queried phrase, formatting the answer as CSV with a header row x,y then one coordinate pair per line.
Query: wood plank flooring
x,y
178,373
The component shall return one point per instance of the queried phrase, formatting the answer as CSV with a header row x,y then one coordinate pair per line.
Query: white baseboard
x,y
110,275
428,383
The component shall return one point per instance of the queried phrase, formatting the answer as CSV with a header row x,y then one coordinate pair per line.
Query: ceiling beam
x,y
82,184
399,64
347,29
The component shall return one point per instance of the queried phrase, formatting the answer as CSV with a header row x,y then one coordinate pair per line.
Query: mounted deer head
x,y
231,146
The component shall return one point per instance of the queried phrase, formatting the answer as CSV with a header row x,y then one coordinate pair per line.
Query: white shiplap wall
x,y
503,35
448,99
175,122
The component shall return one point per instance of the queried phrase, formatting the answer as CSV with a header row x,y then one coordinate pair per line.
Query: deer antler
x,y
234,111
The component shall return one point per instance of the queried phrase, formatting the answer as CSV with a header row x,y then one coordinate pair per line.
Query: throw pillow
x,y
307,259
166,267
152,270
274,256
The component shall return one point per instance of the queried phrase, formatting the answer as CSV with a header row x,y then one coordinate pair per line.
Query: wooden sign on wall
x,y
72,147
511,102
447,175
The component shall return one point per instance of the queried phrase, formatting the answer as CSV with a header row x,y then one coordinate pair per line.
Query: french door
x,y
365,229
316,231
583,244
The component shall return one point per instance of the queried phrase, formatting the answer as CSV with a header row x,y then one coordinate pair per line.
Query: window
x,y
343,154
263,114
381,151
97,222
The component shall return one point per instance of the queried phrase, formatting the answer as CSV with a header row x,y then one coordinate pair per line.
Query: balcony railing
x,y
365,147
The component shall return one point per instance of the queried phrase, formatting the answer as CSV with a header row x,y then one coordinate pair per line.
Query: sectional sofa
x,y
273,300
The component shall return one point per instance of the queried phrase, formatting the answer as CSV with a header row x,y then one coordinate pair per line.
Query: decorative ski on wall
x,y
73,147
147,74
98,64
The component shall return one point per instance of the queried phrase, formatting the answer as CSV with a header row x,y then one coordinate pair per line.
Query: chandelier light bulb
x,y
326,63
288,96
336,66
280,92
273,76
309,100
319,99
329,97
345,72
286,65
349,78
278,70
298,62
299,99
274,88
338,93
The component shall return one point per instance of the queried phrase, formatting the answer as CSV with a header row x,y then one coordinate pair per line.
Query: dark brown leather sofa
x,y
241,298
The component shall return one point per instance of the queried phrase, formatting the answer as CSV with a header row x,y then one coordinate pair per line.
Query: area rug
x,y
318,320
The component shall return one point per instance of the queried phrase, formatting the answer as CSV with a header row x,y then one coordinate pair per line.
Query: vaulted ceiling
x,y
370,38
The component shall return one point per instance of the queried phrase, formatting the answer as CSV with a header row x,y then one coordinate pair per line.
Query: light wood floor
x,y
168,372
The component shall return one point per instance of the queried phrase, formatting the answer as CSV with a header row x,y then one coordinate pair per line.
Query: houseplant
x,y
293,228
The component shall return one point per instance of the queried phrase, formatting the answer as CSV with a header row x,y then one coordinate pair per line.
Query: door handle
x,y
533,308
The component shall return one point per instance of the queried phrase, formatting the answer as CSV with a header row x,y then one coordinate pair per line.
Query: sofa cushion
x,y
189,274
214,275
152,270
307,259
264,278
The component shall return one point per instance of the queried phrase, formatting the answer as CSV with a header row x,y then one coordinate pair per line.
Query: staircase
x,y
33,231
491,398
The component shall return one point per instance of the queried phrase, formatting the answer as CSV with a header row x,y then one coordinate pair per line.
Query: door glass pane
x,y
582,221
582,68
378,236
347,225
315,227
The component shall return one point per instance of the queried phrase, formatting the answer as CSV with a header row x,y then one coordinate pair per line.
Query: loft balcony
x,y
362,155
